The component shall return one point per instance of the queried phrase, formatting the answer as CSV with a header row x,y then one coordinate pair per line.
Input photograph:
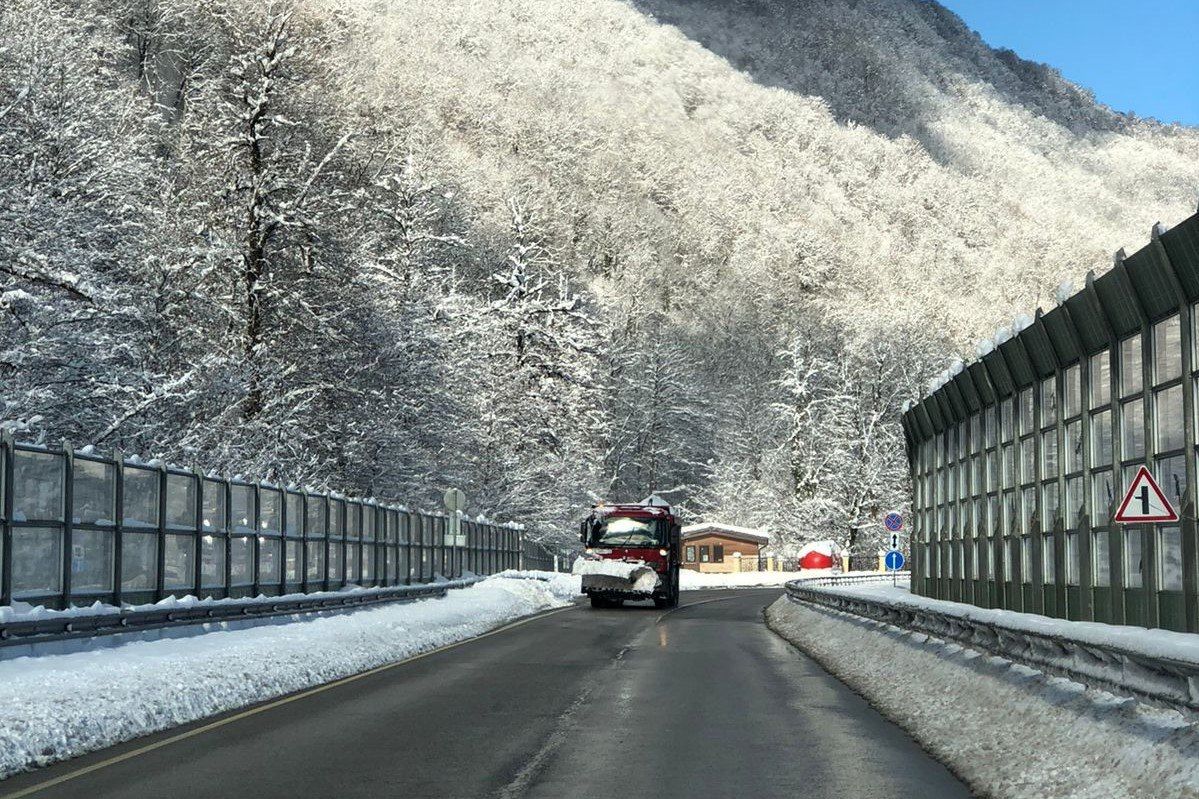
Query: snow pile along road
x,y
1007,730
23,611
690,580
57,706
1154,643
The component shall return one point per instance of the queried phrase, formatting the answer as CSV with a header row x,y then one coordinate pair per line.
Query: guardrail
x,y
850,579
111,621
1165,681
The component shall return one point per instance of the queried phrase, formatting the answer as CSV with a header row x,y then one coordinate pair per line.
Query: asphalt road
x,y
702,701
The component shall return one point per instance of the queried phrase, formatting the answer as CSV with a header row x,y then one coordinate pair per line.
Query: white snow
x,y
828,548
1006,730
23,611
57,706
1155,643
1064,291
607,567
690,580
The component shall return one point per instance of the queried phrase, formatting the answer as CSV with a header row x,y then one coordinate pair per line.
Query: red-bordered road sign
x,y
1145,502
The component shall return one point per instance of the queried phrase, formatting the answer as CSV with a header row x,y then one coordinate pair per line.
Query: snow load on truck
x,y
616,575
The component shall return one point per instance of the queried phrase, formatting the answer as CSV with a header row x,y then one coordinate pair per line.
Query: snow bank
x,y
1005,729
57,706
23,611
561,583
697,581
690,580
1154,643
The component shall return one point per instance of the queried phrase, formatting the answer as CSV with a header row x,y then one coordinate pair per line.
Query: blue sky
x,y
1136,56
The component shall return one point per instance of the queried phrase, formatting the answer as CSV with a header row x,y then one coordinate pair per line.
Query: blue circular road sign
x,y
894,560
893,522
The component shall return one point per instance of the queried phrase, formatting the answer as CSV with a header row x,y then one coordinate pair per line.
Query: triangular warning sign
x,y
1145,502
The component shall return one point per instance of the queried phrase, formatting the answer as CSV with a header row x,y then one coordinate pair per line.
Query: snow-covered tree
x,y
547,252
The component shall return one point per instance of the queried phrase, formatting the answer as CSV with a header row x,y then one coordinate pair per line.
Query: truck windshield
x,y
619,531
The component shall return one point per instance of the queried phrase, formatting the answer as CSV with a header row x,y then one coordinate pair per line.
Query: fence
x,y
79,528
535,555
1019,460
1085,657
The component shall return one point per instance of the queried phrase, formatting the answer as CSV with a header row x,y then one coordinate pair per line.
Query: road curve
x,y
702,701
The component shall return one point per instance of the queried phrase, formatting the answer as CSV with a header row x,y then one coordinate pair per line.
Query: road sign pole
x,y
894,561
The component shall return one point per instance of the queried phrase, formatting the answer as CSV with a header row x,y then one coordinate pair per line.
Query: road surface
x,y
702,701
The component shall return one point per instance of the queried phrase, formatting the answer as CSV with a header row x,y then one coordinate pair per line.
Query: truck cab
x,y
632,552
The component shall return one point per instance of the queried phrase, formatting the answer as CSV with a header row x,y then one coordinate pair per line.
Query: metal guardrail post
x,y
161,554
404,532
305,581
326,509
226,540
118,529
66,475
256,540
198,533
6,510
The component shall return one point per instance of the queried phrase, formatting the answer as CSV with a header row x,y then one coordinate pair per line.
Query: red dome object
x,y
819,555
816,560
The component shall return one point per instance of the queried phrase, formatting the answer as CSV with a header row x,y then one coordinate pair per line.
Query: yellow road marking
x,y
263,708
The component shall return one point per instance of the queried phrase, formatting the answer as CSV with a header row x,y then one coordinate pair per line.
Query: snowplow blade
x,y
641,582
614,576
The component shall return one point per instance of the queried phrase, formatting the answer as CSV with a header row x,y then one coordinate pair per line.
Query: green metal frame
x,y
1155,284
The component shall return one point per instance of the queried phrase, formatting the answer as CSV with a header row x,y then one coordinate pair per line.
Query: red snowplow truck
x,y
632,553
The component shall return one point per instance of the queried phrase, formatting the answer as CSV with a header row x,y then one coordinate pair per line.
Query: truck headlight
x,y
663,552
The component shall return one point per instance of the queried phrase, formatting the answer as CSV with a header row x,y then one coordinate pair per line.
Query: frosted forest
x,y
549,252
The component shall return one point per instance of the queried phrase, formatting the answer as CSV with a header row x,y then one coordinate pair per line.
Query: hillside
x,y
550,252
878,152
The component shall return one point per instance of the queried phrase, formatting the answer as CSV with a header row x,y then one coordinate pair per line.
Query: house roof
x,y
726,530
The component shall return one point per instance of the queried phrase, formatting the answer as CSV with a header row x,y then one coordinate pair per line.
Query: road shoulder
x,y
1006,730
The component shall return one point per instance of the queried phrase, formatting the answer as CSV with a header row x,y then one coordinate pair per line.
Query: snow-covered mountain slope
x,y
877,152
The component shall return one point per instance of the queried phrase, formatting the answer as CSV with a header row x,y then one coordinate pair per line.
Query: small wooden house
x,y
712,547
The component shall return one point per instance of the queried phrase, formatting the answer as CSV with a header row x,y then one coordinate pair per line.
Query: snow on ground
x,y
57,706
1157,643
690,580
1007,730
698,581
23,611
